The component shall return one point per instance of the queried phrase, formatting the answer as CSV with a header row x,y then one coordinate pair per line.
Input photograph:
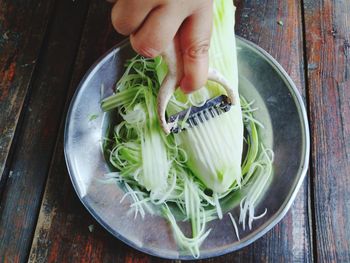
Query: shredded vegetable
x,y
138,139
191,173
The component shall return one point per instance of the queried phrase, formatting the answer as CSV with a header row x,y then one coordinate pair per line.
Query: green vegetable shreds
x,y
192,171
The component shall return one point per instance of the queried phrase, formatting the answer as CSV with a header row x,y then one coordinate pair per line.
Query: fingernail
x,y
186,86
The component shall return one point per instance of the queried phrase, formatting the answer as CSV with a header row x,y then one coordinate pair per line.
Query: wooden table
x,y
45,48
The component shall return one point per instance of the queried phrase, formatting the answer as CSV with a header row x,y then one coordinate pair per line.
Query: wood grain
x,y
327,30
32,154
62,231
22,30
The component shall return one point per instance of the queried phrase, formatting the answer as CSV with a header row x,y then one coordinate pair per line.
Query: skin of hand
x,y
153,24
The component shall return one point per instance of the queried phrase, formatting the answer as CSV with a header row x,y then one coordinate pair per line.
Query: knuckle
x,y
198,49
122,26
120,21
144,48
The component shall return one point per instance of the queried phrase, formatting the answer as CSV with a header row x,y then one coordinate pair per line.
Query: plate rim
x,y
280,213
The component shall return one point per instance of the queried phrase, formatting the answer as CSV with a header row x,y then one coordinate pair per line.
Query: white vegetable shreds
x,y
191,174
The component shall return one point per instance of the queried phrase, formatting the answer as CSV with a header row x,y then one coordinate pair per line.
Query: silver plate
x,y
286,130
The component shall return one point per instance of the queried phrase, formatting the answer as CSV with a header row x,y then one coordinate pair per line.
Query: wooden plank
x,y
327,30
62,217
32,154
22,30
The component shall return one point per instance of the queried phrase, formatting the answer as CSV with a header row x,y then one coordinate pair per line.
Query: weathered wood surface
x,y
43,57
42,114
22,30
62,217
327,27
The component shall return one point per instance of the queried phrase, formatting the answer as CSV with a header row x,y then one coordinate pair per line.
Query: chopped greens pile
x,y
191,172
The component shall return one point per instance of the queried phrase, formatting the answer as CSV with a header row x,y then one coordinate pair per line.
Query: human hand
x,y
153,24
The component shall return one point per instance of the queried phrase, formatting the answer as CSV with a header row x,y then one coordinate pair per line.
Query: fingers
x,y
158,30
152,25
128,15
195,36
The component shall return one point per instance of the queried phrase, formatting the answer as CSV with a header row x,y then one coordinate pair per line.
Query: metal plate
x,y
286,130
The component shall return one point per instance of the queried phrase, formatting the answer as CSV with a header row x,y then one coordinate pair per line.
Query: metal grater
x,y
222,103
210,108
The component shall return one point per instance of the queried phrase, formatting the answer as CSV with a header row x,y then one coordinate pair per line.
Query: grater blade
x,y
196,115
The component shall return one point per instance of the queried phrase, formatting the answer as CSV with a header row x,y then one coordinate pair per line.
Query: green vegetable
x,y
93,117
173,173
214,148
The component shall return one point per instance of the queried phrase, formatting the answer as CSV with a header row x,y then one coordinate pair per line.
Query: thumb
x,y
195,36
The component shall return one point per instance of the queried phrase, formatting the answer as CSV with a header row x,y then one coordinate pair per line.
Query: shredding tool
x,y
193,115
